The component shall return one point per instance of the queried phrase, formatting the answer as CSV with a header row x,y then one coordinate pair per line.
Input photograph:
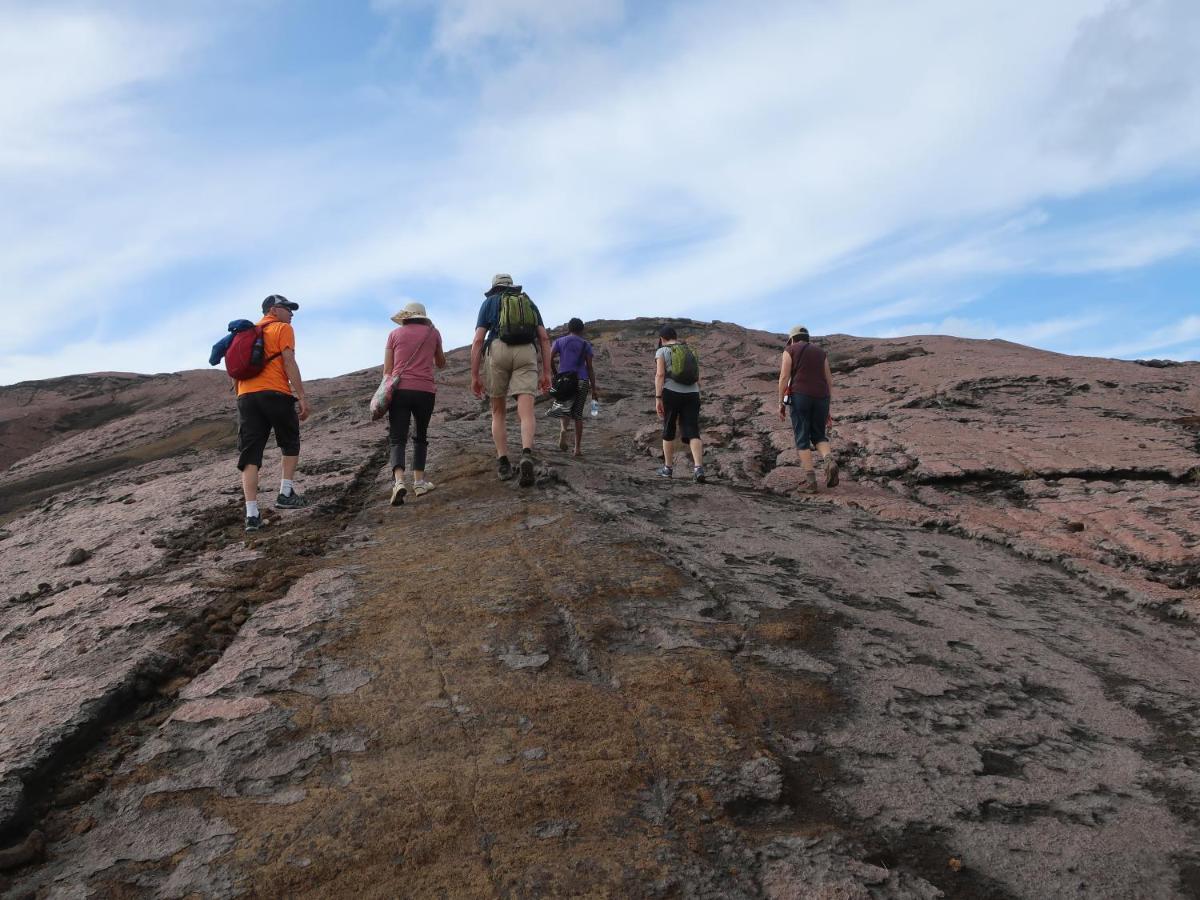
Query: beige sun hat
x,y
411,311
797,330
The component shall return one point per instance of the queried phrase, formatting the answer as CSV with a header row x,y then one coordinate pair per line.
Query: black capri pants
x,y
258,414
682,408
409,406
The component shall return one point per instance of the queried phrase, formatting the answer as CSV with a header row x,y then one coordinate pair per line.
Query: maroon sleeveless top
x,y
809,371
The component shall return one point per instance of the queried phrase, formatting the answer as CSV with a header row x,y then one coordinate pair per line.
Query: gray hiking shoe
x,y
253,523
290,501
810,481
526,469
698,474
665,471
831,473
504,468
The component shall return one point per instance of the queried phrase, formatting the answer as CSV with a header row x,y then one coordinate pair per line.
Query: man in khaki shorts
x,y
510,332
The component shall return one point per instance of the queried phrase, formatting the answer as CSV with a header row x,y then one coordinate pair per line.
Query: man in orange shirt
x,y
268,402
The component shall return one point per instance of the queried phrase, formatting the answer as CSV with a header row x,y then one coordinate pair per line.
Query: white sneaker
x,y
422,487
398,492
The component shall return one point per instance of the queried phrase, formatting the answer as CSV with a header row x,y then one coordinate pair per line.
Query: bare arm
x,y
592,377
544,345
785,375
476,358
660,376
387,360
293,375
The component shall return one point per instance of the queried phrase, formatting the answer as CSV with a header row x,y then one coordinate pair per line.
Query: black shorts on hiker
x,y
683,409
260,413
809,415
406,406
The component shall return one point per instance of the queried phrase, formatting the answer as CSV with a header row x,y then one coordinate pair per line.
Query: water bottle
x,y
595,408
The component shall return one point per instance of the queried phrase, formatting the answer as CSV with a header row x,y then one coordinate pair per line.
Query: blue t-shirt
x,y
573,354
489,316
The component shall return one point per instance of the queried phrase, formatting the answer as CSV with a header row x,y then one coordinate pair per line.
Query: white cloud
x,y
715,157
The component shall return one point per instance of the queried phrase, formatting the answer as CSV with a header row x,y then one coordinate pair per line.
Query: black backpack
x,y
565,386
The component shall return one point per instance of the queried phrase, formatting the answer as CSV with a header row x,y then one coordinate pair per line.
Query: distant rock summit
x,y
969,670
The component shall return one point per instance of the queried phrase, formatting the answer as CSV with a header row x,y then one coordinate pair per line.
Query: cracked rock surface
x,y
968,671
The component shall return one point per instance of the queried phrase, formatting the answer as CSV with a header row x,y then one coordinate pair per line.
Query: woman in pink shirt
x,y
412,350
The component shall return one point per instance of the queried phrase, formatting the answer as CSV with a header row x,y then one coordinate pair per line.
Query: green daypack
x,y
518,319
682,366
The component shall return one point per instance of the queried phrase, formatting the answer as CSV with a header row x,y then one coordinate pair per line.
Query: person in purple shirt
x,y
571,353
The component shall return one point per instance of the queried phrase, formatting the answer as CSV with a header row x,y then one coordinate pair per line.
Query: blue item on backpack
x,y
219,348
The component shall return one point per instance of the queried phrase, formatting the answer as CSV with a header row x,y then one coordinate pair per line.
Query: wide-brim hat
x,y
797,330
411,312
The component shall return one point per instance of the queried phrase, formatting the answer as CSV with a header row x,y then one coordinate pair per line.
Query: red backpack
x,y
246,356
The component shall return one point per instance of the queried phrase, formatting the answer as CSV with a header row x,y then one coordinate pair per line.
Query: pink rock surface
x,y
1004,518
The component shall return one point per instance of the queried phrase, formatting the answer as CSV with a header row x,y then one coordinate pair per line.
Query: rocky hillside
x,y
968,671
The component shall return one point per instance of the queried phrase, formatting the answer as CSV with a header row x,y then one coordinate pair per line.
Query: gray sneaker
x,y
831,473
665,471
253,523
526,469
290,501
698,474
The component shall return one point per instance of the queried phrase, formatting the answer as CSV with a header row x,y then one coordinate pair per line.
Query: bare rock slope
x,y
968,671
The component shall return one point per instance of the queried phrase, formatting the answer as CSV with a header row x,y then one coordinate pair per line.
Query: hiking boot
x,y
526,478
253,523
831,473
290,501
504,468
698,474
398,492
810,481
422,487
664,472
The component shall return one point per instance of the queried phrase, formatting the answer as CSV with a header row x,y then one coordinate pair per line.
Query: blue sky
x,y
1013,169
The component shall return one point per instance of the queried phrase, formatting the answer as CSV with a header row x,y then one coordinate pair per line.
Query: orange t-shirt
x,y
277,337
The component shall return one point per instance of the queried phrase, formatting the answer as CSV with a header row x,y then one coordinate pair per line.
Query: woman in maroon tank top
x,y
806,386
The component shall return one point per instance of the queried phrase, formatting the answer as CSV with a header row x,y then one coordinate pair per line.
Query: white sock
x,y
285,486
251,508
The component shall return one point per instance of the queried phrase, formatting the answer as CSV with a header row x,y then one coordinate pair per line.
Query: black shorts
x,y
683,408
260,413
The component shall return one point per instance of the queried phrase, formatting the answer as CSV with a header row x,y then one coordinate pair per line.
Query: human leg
x,y
577,408
253,430
285,421
525,412
422,413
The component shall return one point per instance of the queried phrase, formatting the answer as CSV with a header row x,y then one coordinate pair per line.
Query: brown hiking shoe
x,y
810,482
831,472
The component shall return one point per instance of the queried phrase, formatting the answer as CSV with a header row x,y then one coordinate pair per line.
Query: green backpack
x,y
683,367
518,319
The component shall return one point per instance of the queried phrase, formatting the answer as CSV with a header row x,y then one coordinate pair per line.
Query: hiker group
x,y
511,356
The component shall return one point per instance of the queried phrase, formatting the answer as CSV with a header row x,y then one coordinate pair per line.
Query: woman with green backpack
x,y
677,400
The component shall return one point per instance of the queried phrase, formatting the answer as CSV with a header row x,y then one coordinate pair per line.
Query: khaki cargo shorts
x,y
511,369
